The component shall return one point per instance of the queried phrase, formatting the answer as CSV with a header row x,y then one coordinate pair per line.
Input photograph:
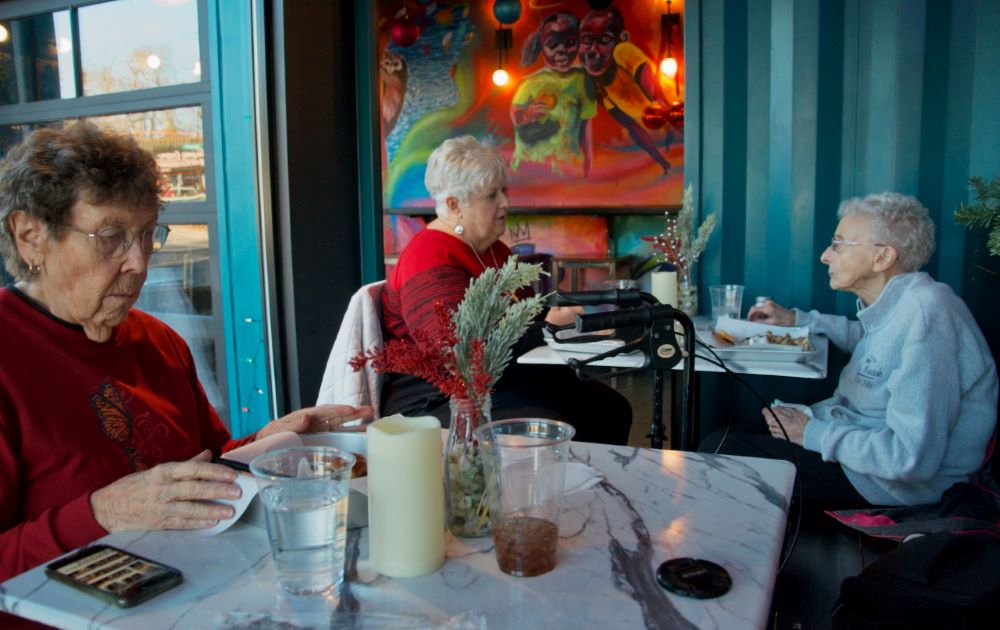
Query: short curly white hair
x,y
897,220
462,167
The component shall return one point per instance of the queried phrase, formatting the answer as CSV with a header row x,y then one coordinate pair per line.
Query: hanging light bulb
x,y
668,63
500,77
504,41
669,67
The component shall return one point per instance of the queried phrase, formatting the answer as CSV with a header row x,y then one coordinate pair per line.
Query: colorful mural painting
x,y
583,236
586,120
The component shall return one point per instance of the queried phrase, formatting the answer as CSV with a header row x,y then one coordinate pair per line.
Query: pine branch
x,y
993,241
975,216
985,213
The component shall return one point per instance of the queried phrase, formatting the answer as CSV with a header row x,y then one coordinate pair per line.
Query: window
x,y
136,67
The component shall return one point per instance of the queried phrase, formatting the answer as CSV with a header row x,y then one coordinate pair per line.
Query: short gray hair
x,y
54,168
462,167
897,220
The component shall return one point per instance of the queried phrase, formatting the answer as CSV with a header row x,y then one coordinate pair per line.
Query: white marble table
x,y
651,506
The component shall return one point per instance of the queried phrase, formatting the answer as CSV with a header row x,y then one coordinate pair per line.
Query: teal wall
x,y
802,103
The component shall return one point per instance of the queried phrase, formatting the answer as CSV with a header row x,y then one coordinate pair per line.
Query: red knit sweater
x,y
434,267
76,415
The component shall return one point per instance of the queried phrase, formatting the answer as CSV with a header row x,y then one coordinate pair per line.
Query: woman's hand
x,y
562,315
772,313
793,420
168,496
315,419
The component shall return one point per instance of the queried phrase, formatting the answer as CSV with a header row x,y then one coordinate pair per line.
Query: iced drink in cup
x,y
304,491
525,464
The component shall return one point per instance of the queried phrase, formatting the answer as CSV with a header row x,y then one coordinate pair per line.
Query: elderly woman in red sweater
x,y
103,423
468,181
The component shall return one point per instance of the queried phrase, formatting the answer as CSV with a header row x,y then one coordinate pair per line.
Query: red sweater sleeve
x,y
435,268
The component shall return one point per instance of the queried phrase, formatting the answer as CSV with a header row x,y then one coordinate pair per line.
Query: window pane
x,y
179,279
178,290
36,59
134,44
174,137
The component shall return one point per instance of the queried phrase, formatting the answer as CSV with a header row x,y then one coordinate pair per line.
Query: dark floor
x,y
825,551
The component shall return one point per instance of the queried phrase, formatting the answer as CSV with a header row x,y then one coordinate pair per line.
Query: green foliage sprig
x,y
491,311
465,351
986,212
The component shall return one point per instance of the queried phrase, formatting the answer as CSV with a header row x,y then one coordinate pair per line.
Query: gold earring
x,y
34,269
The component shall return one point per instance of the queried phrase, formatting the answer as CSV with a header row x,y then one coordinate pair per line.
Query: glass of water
x,y
727,301
304,491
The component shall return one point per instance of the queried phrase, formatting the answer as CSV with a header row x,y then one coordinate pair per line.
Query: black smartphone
x,y
115,575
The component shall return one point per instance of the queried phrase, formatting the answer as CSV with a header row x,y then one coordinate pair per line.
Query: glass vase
x,y
687,292
465,482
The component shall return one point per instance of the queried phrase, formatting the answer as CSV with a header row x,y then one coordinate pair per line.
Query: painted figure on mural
x,y
392,84
552,106
625,78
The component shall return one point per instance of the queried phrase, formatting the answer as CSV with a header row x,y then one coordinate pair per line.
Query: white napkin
x,y
803,408
246,481
240,505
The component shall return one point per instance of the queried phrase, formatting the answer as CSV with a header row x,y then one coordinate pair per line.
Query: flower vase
x,y
687,292
465,482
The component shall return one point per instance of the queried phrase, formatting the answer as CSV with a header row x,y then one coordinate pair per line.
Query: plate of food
x,y
738,339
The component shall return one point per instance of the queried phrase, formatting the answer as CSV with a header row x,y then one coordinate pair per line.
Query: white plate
x,y
742,329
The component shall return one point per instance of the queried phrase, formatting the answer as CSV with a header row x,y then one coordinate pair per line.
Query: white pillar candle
x,y
664,287
405,496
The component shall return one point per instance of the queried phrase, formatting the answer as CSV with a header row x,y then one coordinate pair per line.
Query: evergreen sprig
x,y
676,245
491,311
985,213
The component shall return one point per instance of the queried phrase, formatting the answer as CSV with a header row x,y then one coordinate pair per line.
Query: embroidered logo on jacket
x,y
869,372
117,422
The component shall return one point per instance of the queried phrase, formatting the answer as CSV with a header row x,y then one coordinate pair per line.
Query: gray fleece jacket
x,y
917,403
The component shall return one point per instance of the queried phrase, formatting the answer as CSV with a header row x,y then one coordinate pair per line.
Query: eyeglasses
x,y
114,241
838,244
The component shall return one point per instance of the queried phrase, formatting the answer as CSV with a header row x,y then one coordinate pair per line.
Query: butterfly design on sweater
x,y
117,422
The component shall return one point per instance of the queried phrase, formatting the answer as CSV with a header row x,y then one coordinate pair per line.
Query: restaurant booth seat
x,y
360,330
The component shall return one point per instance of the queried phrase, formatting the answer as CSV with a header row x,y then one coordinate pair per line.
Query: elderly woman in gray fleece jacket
x,y
917,403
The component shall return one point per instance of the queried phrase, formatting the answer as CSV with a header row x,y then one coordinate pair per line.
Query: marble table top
x,y
651,506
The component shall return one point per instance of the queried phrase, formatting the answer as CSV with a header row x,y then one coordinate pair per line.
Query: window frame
x,y
194,94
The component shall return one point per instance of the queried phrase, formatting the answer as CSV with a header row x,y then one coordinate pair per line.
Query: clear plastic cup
x,y
304,491
525,465
727,301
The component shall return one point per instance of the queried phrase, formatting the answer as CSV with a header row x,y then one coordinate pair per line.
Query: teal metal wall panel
x,y
856,97
911,28
758,145
829,135
779,175
984,150
882,77
806,77
932,135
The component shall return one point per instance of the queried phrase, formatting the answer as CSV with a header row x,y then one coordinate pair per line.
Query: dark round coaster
x,y
692,577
